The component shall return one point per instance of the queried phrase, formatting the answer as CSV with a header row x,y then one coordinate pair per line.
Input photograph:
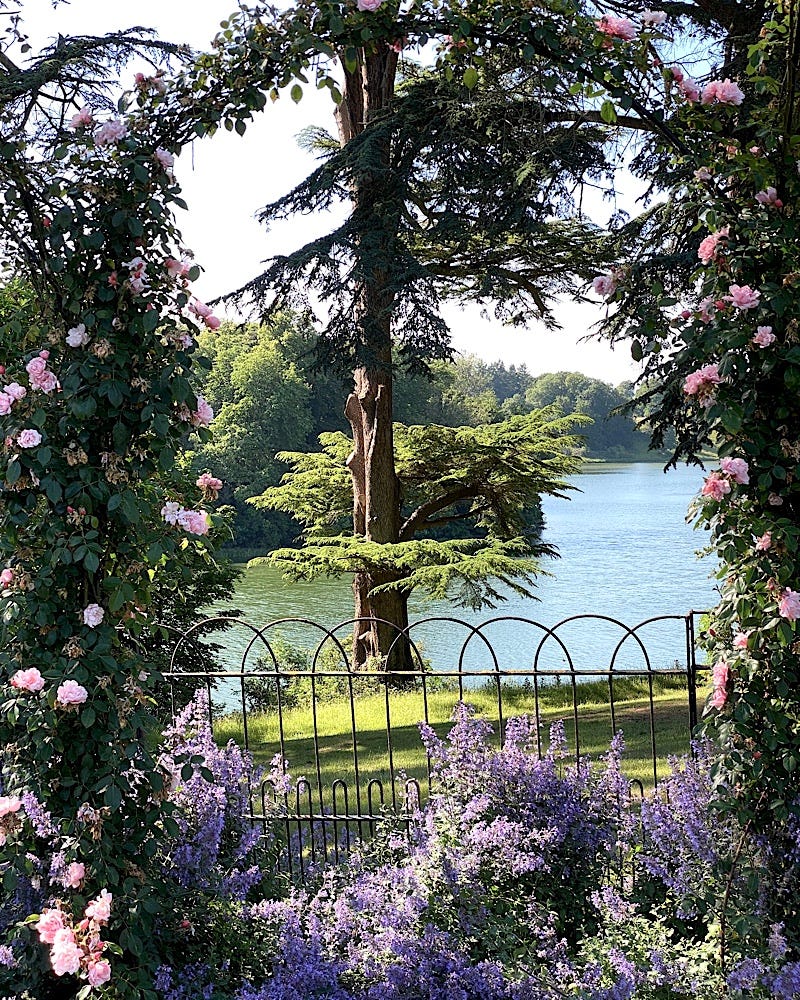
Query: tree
x,y
262,405
610,434
468,511
452,195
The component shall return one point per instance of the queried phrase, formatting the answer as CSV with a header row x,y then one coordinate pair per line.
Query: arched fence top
x,y
381,768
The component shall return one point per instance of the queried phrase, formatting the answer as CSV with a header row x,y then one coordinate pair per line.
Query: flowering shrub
x,y
463,911
216,847
91,421
514,832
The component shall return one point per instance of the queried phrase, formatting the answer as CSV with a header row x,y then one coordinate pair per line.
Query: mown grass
x,y
334,727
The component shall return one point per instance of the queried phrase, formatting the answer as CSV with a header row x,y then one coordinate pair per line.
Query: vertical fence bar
x,y
691,671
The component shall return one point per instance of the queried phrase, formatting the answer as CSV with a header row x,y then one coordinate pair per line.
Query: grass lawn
x,y
338,749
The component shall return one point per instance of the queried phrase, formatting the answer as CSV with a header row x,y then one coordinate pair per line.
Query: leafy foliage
x,y
484,482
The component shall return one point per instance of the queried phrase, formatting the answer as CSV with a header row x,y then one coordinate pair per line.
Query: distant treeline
x,y
269,397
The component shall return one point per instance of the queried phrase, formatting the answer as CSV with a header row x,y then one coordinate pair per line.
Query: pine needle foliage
x,y
481,484
474,201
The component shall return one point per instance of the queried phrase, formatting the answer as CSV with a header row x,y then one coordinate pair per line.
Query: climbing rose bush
x,y
91,422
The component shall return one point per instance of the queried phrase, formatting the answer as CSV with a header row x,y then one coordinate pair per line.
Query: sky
x,y
227,178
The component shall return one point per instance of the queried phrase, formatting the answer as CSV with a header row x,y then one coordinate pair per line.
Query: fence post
x,y
691,671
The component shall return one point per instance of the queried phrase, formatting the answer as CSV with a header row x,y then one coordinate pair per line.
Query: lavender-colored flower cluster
x,y
505,819
683,847
217,847
502,892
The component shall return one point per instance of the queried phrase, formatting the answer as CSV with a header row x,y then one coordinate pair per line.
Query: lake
x,y
626,552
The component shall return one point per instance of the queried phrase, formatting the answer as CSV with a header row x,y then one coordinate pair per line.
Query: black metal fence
x,y
351,738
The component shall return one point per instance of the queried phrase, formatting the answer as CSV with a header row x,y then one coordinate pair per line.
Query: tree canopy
x,y
482,483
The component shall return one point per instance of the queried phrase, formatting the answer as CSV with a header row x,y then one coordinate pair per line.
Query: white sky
x,y
227,178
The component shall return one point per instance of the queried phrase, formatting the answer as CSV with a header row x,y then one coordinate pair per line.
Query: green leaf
x,y
608,112
112,797
150,320
470,78
296,93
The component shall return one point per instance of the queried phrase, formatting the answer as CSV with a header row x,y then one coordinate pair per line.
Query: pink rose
x,y
212,322
82,119
616,27
77,336
203,415
6,577
769,197
208,482
165,158
605,285
789,606
194,521
688,87
48,925
5,404
764,543
740,640
36,366
29,438
706,309
111,131
721,675
15,391
71,693
722,91
701,381
177,268
41,377
93,615
9,804
99,972
65,955
653,17
74,875
27,680
707,251
100,909
737,468
764,337
369,5
716,486
171,511
703,174
743,296
200,309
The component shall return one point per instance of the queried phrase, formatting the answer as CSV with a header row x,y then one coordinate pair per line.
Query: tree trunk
x,y
369,90
376,518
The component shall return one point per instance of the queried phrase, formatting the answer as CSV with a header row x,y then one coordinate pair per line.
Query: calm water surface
x,y
626,552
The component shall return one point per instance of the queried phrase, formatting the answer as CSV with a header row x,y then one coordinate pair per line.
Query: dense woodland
x,y
271,396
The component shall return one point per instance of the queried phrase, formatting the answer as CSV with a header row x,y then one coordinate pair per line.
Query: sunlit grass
x,y
346,739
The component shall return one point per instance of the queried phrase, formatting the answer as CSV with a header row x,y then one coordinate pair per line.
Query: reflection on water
x,y
626,552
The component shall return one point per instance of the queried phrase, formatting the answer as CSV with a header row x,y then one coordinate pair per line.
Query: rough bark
x,y
376,495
